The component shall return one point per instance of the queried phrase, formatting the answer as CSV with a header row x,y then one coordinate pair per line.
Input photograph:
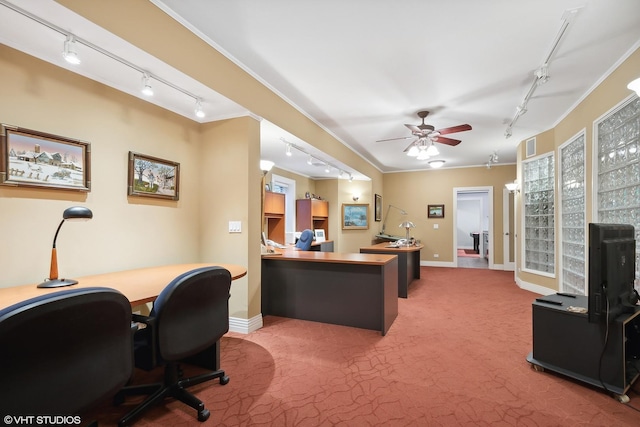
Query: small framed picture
x,y
319,235
32,158
378,208
153,177
435,211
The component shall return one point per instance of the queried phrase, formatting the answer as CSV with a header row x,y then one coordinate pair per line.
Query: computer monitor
x,y
612,266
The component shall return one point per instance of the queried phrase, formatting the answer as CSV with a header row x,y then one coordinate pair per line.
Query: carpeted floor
x,y
468,253
455,356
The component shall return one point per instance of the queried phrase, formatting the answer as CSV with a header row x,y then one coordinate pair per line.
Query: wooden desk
x,y
408,263
348,289
139,286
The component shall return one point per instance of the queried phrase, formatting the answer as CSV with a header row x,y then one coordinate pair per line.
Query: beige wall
x,y
611,92
413,191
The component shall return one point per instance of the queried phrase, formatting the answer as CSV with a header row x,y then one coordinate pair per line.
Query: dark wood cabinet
x,y
274,214
312,214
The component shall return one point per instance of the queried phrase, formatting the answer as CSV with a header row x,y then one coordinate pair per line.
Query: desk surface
x,y
384,247
139,286
331,257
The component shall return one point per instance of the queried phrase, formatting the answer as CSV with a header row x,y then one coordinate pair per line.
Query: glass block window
x,y
618,180
539,226
572,215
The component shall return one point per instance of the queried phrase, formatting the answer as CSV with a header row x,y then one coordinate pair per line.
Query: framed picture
x,y
153,177
435,211
319,235
378,208
355,216
31,158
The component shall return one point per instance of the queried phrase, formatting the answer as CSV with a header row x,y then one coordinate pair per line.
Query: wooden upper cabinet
x,y
273,203
312,214
319,208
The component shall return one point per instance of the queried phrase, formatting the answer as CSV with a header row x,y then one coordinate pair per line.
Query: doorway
x,y
473,231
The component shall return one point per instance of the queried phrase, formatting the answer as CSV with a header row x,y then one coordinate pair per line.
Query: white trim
x,y
436,264
532,287
245,326
482,190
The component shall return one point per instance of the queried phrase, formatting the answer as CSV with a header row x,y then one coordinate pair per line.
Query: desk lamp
x,y
74,213
407,225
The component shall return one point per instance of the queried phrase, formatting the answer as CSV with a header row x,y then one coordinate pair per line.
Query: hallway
x,y
471,261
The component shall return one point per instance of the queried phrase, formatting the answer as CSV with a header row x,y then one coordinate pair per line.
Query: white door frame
x,y
507,220
489,191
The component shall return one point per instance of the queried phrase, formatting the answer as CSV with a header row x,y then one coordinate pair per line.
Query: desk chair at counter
x,y
189,316
64,352
305,240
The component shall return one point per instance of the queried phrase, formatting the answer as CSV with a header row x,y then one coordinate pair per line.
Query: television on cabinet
x,y
612,267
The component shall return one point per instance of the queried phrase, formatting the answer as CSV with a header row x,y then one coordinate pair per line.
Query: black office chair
x,y
305,240
64,352
189,316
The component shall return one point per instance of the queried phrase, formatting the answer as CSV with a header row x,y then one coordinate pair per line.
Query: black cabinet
x,y
565,342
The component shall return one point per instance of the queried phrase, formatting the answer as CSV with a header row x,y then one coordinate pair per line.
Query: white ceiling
x,y
364,68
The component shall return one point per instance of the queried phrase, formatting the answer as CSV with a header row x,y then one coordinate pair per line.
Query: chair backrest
x,y
65,351
305,240
192,312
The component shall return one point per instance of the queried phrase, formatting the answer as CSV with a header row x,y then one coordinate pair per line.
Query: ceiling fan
x,y
427,134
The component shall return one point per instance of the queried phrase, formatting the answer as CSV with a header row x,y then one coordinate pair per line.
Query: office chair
x,y
64,352
189,316
305,240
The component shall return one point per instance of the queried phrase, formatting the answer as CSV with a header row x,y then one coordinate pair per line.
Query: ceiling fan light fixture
x,y
436,163
432,150
413,151
423,155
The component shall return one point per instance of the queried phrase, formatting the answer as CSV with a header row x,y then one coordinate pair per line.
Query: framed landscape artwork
x,y
355,216
153,177
435,211
378,208
31,158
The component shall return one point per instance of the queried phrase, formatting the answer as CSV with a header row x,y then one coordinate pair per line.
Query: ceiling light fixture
x,y
541,75
315,161
199,111
413,151
310,160
436,163
423,155
265,166
70,53
432,150
635,86
147,90
288,150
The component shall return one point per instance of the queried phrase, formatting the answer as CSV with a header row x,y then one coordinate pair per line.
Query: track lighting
x,y
508,132
350,178
310,160
70,53
146,85
199,111
327,169
288,150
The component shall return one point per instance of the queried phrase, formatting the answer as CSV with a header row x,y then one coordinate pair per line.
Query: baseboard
x,y
437,263
245,326
532,287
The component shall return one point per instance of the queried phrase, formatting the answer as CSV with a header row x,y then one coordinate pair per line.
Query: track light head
x,y
70,53
199,111
288,150
146,85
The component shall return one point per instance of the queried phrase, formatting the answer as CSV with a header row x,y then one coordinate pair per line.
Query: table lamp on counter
x,y
408,225
74,213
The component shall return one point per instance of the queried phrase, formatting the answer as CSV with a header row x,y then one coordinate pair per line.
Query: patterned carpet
x,y
455,356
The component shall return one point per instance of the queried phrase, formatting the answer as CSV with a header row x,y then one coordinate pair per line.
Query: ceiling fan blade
x,y
445,140
454,129
414,129
395,139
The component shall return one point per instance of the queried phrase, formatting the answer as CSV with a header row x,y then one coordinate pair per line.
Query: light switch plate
x,y
235,226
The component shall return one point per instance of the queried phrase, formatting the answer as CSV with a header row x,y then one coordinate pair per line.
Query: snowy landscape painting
x,y
37,159
153,177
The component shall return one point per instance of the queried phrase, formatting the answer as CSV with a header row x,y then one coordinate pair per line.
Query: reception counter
x,y
408,262
350,289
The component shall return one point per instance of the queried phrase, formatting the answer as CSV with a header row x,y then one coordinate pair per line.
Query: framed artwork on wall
x,y
435,211
32,158
153,177
378,208
355,216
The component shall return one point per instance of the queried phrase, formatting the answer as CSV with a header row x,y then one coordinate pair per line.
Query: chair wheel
x,y
203,415
224,379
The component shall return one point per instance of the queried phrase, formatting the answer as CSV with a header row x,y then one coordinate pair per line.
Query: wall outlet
x,y
436,226
436,255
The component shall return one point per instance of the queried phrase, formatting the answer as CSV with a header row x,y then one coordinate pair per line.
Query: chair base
x,y
173,387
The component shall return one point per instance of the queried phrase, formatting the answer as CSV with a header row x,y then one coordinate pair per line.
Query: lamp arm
x,y
386,216
55,237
